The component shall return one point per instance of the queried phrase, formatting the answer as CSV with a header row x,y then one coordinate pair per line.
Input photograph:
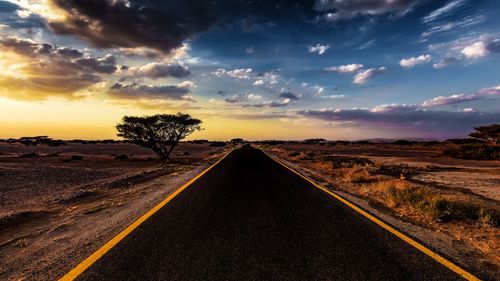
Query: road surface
x,y
249,218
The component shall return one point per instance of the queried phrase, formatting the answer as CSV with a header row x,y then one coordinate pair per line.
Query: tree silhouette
x,y
161,132
490,133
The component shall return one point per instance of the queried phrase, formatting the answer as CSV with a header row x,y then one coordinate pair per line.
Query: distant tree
x,y
236,140
490,133
161,132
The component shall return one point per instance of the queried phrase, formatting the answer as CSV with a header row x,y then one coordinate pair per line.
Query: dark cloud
x,y
138,91
409,118
10,17
494,46
160,25
160,70
51,70
289,95
236,99
100,65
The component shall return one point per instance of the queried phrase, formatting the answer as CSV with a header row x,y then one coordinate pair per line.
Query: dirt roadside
x,y
45,243
465,250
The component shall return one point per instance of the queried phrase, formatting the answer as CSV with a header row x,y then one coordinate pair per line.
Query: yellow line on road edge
x,y
81,267
399,234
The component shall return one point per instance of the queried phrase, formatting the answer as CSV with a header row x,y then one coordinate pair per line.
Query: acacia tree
x,y
489,133
161,132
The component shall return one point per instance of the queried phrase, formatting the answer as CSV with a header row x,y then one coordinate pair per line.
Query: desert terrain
x,y
61,203
451,204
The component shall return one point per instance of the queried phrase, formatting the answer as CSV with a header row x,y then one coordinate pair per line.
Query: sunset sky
x,y
335,69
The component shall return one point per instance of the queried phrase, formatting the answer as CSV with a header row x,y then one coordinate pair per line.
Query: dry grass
x,y
462,215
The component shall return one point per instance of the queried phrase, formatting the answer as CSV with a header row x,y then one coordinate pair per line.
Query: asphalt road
x,y
249,218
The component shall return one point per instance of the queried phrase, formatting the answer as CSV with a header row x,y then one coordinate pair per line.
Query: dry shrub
x,y
358,174
321,166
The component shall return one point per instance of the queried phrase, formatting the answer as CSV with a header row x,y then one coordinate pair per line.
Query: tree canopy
x,y
160,132
490,133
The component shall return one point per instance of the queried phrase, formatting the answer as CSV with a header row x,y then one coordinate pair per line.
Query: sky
x,y
255,69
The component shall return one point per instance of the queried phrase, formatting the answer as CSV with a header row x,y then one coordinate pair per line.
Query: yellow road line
x,y
81,267
399,234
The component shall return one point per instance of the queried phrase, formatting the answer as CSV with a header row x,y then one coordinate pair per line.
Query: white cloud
x,y
258,82
447,100
363,76
23,13
411,62
254,97
469,109
242,73
394,107
461,98
219,72
320,49
335,96
476,50
348,68
347,9
443,11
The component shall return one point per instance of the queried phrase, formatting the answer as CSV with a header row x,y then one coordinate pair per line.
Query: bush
x,y
474,152
308,155
403,142
347,162
439,208
218,144
358,174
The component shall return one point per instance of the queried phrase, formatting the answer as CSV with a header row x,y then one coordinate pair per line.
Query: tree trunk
x,y
170,150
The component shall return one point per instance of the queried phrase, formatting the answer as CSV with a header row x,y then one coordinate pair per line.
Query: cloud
x,y
219,72
466,49
347,9
164,92
363,76
254,97
461,98
449,7
335,96
367,45
38,70
269,77
348,68
475,50
445,62
242,73
406,118
411,62
162,25
320,49
160,70
236,99
242,97
289,95
258,82
394,107
282,103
